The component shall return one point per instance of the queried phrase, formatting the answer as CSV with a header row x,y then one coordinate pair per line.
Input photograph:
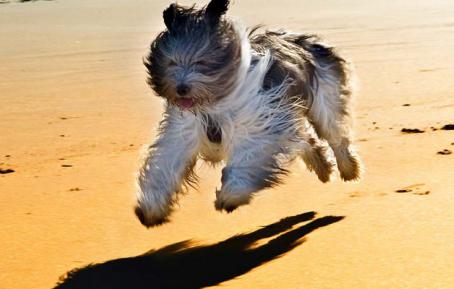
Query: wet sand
x,y
75,112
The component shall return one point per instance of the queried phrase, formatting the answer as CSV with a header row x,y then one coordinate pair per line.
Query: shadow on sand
x,y
184,265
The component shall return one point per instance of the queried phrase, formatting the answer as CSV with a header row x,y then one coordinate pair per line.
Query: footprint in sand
x,y
416,189
417,130
7,171
448,127
355,194
428,69
411,130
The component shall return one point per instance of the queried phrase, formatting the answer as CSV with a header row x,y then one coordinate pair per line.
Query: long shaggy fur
x,y
254,101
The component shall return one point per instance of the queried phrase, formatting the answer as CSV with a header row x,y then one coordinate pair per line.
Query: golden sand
x,y
75,111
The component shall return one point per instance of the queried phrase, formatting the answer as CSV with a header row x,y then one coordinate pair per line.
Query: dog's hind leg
x,y
314,153
331,112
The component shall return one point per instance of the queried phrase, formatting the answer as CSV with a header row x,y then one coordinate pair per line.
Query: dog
x,y
253,101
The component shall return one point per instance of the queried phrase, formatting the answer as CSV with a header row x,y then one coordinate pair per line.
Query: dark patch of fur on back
x,y
295,56
325,55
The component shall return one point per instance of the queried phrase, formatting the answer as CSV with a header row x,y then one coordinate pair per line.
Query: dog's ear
x,y
215,9
169,16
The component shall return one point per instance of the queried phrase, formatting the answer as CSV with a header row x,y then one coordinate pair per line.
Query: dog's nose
x,y
183,89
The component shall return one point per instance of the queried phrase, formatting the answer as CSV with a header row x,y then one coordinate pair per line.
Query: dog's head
x,y
194,61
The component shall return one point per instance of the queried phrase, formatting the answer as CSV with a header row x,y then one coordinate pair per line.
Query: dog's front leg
x,y
250,168
167,166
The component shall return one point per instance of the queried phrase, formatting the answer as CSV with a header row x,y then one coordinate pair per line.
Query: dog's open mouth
x,y
185,103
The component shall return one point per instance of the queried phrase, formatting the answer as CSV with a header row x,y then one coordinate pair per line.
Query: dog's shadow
x,y
184,265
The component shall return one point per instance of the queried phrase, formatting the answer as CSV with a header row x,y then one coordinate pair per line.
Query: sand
x,y
75,112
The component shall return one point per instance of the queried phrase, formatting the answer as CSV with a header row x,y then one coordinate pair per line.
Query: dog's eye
x,y
201,63
172,63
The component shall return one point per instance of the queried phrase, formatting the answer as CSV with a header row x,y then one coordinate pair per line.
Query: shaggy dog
x,y
254,101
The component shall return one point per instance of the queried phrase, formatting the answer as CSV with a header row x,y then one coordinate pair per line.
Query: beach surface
x,y
76,112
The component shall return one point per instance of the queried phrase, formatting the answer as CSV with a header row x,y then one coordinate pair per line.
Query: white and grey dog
x,y
254,101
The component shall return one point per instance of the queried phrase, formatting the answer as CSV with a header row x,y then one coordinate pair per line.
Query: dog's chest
x,y
212,139
212,129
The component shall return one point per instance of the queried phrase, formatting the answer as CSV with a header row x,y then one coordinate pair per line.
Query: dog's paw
x,y
230,201
315,156
348,163
319,162
149,218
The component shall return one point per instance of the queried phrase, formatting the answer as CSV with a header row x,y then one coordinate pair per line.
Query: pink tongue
x,y
185,103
